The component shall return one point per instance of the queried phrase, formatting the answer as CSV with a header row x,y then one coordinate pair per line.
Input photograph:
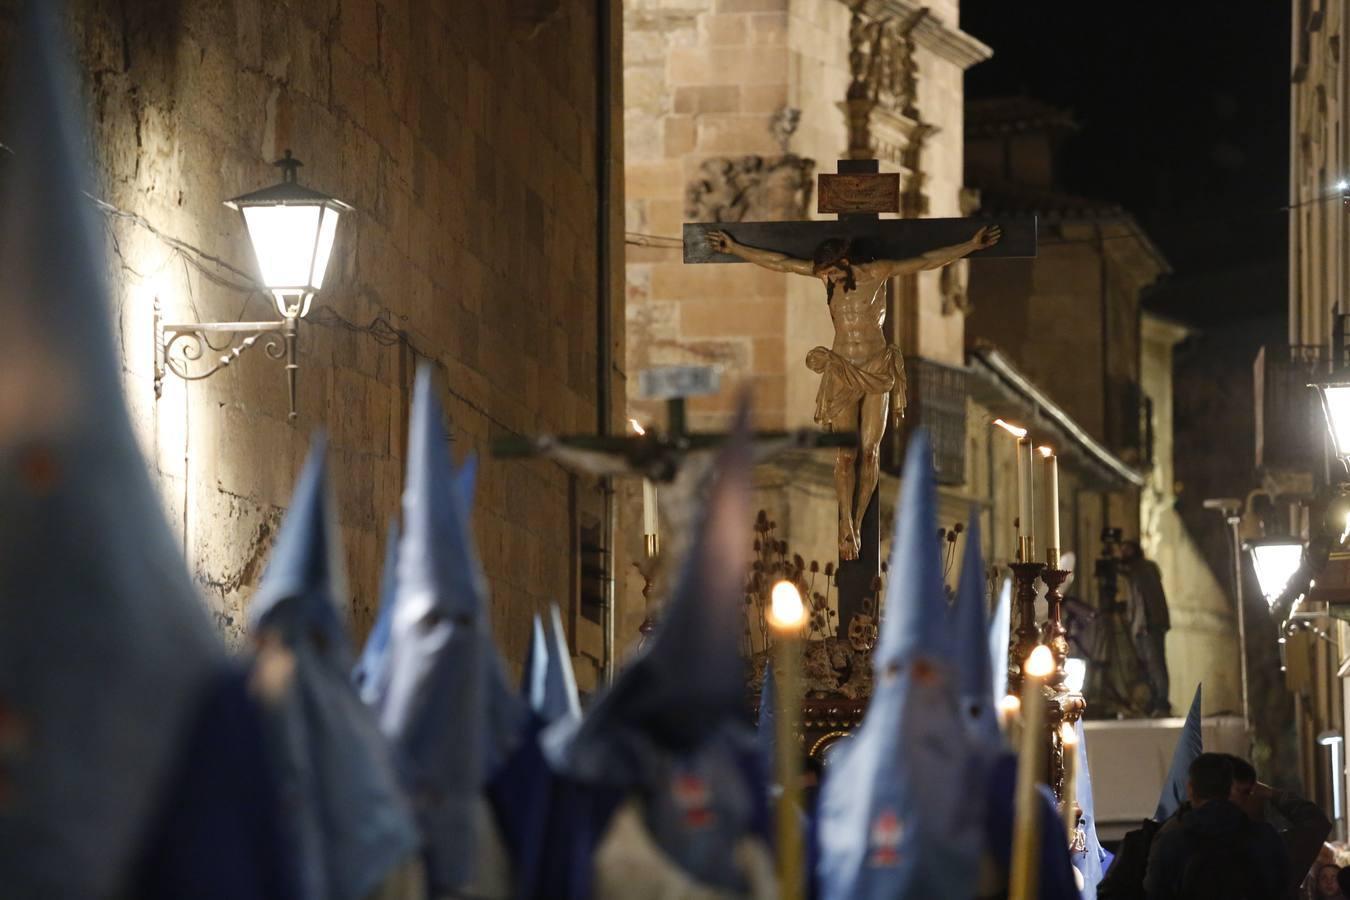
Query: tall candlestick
x,y
1052,507
1025,874
1069,740
787,614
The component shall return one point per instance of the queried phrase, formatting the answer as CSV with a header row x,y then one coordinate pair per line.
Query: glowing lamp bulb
x,y
1068,735
1015,430
786,606
1041,662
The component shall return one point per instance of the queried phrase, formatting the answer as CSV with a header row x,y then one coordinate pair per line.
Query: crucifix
x,y
677,458
862,374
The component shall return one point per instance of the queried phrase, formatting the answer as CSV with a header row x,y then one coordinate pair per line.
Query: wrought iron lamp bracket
x,y
187,350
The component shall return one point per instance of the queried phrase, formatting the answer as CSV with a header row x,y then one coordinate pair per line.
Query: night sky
x,y
1184,121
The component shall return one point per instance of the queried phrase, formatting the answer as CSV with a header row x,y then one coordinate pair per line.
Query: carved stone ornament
x,y
750,189
883,74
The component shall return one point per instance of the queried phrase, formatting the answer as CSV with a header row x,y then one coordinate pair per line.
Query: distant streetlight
x,y
1275,561
1335,742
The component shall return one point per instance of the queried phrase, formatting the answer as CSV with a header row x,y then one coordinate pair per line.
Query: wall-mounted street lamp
x,y
1275,560
1335,397
291,229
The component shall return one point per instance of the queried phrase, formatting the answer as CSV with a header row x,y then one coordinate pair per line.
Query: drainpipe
x,y
604,147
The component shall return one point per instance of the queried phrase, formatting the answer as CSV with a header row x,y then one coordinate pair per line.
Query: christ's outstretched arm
x,y
722,242
985,238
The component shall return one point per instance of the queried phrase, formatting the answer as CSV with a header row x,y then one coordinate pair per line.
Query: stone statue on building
x,y
862,373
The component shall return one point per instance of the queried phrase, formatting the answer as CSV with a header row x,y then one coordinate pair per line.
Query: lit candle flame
x,y
1015,430
1068,735
787,609
1041,662
1046,452
637,427
1010,705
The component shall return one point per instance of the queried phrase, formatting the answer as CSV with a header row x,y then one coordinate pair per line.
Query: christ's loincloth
x,y
843,384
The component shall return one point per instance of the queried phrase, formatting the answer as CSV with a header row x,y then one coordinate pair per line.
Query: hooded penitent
x,y
975,665
352,824
105,649
669,738
447,706
894,816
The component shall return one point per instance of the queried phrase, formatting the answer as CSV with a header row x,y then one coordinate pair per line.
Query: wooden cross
x,y
858,194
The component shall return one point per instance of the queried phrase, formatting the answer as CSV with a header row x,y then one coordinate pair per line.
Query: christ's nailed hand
x,y
720,241
987,237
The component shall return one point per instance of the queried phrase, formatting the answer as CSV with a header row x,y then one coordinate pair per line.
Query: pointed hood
x,y
973,659
447,707
893,810
306,575
346,809
1190,744
552,687
688,680
371,673
916,615
105,648
1000,637
1092,861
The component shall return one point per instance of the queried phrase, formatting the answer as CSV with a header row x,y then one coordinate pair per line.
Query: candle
x,y
1052,506
1069,739
1020,490
650,518
1022,882
1028,505
650,513
787,614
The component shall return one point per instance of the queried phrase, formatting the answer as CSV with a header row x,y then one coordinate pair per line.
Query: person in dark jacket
x,y
1300,823
1146,609
1214,849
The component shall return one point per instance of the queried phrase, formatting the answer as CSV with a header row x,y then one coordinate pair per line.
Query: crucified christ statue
x,y
862,376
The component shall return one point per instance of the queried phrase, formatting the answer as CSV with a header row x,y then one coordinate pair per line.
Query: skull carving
x,y
862,632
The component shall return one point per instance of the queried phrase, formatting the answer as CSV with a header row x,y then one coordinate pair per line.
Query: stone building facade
x,y
473,145
1083,296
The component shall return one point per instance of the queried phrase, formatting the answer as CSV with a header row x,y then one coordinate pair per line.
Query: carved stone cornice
x,y
952,44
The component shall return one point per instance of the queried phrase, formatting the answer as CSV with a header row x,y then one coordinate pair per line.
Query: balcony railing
x,y
937,401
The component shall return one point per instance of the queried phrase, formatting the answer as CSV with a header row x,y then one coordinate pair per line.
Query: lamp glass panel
x,y
283,240
1336,399
327,232
1275,564
1075,674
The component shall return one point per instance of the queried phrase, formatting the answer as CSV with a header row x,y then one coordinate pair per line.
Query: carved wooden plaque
x,y
868,193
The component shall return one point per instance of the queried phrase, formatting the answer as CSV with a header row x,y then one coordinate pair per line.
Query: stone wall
x,y
466,140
